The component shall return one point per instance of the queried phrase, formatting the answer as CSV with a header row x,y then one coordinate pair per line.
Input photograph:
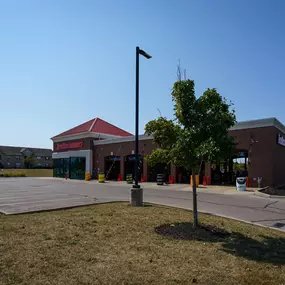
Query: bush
x,y
12,175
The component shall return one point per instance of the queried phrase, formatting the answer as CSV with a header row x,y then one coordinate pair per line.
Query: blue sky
x,y
63,62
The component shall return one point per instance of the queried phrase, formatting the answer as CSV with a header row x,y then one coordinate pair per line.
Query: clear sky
x,y
63,62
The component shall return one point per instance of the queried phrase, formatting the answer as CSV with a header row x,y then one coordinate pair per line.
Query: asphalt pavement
x,y
23,195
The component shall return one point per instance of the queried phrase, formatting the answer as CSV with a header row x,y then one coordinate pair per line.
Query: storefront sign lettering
x,y
281,140
114,158
71,145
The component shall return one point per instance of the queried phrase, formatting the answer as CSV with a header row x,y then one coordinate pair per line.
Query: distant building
x,y
25,157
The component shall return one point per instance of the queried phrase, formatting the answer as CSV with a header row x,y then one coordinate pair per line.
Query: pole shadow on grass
x,y
266,249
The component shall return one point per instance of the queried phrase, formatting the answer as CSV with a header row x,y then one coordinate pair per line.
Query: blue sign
x,y
243,154
114,158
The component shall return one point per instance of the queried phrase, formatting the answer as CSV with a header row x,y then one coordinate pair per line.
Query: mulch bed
x,y
279,191
186,231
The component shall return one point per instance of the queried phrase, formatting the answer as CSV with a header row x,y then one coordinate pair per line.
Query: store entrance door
x,y
61,167
112,167
130,166
77,168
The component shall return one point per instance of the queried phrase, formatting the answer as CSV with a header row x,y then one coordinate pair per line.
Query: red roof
x,y
96,125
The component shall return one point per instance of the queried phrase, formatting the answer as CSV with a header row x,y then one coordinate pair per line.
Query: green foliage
x,y
158,156
200,131
165,132
29,161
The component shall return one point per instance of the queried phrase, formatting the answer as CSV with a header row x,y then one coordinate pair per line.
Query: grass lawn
x,y
116,244
31,172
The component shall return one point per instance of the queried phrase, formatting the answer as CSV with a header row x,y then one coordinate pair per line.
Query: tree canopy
x,y
199,130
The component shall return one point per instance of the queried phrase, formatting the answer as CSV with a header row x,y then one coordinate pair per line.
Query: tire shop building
x,y
99,147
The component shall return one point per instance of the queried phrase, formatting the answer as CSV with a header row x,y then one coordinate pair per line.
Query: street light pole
x,y
137,120
136,191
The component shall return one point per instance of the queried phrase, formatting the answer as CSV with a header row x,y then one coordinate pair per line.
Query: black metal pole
x,y
137,119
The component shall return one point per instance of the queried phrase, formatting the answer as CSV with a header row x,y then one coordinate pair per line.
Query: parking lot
x,y
22,195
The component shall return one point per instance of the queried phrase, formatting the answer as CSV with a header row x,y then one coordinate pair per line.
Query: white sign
x,y
241,183
281,140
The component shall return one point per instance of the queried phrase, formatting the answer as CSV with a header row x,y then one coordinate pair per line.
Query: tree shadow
x,y
268,249
186,231
264,249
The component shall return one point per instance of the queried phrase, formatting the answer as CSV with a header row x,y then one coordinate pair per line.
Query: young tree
x,y
29,161
198,133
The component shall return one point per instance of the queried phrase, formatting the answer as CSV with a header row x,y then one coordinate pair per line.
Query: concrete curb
x,y
149,203
222,216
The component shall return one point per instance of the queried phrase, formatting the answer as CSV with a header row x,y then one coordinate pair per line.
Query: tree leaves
x,y
158,156
164,132
200,131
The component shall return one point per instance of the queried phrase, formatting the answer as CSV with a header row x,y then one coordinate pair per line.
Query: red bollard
x,y
204,180
119,177
208,180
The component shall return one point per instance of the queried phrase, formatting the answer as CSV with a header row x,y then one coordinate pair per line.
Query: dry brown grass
x,y
31,172
117,244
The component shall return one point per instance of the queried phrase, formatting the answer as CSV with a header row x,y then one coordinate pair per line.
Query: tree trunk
x,y
195,212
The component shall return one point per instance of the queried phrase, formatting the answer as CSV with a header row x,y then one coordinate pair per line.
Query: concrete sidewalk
x,y
213,189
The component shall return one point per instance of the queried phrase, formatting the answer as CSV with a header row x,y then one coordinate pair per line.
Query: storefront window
x,y
77,167
73,167
58,167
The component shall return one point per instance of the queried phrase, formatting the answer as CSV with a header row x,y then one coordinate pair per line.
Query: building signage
x,y
133,158
114,158
281,140
71,145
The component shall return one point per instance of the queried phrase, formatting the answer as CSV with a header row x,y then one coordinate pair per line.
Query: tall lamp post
x,y
136,191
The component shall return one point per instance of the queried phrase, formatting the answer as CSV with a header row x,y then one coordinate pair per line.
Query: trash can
x,y
87,176
160,179
241,183
101,177
196,180
259,182
129,178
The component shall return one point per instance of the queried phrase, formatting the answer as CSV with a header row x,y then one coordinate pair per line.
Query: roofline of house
x,y
17,150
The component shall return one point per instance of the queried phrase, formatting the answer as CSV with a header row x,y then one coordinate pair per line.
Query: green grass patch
x,y
8,174
116,244
28,172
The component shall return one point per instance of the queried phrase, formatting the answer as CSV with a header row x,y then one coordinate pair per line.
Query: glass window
x,y
61,167
77,167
